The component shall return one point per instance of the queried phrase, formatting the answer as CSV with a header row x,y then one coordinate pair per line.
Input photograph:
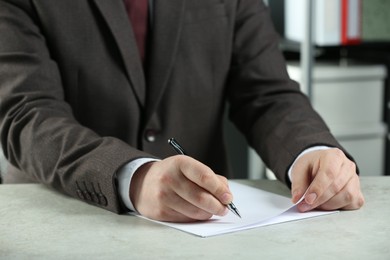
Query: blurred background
x,y
339,51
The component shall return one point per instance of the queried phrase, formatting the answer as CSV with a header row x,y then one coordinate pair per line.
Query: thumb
x,y
300,179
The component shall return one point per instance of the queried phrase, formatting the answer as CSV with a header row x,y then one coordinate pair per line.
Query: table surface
x,y
37,222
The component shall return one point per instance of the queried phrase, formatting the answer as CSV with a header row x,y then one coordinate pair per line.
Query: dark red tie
x,y
138,15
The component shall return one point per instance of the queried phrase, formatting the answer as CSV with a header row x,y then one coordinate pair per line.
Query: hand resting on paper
x,y
179,189
330,180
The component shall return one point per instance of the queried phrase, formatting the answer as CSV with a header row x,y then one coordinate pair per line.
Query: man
x,y
86,110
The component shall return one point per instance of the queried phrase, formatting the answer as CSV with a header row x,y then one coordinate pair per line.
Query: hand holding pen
x,y
180,150
179,189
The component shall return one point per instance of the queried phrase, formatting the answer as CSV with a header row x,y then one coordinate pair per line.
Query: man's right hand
x,y
179,189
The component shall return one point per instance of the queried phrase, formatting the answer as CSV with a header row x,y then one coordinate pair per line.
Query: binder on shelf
x,y
351,22
336,22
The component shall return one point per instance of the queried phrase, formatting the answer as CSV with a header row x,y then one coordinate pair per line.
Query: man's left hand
x,y
330,180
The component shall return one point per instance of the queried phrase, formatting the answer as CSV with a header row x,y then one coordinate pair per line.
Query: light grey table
x,y
39,223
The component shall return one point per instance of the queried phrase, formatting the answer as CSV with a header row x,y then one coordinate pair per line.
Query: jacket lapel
x,y
115,15
166,28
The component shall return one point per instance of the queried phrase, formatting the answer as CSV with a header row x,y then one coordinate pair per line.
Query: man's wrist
x,y
124,177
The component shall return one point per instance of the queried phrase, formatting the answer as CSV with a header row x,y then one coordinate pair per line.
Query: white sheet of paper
x,y
257,208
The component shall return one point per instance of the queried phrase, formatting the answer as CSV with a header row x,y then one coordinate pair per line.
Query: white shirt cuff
x,y
124,176
308,150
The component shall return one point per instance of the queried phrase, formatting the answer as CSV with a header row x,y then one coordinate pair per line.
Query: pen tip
x,y
233,209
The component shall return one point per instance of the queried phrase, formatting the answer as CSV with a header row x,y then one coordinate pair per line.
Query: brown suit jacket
x,y
76,104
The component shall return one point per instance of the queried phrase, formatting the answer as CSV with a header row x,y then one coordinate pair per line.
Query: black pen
x,y
180,150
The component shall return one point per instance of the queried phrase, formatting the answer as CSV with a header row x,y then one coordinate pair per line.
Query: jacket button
x,y
102,199
94,197
87,195
80,194
150,136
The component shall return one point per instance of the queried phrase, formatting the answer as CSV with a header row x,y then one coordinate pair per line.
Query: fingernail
x,y
310,198
226,198
305,207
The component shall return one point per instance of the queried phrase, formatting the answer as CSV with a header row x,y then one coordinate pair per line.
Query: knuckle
x,y
165,179
204,176
337,156
179,160
360,202
352,166
348,196
223,179
338,153
200,199
161,195
330,172
337,186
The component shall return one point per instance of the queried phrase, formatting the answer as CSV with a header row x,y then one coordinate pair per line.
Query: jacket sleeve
x,y
39,134
265,104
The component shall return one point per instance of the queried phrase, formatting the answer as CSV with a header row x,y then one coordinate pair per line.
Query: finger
x,y
204,177
335,188
349,198
181,210
171,206
300,179
223,179
304,206
171,215
329,181
200,198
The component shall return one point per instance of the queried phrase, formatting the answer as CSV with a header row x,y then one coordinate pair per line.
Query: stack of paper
x,y
257,208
